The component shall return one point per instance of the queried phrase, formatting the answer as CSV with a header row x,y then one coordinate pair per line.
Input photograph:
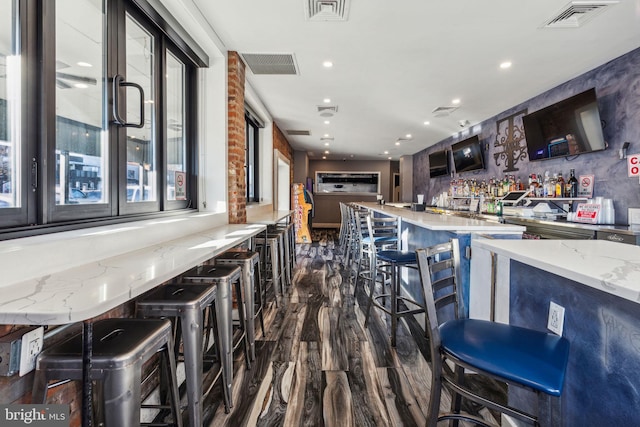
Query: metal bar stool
x,y
272,245
185,304
249,262
225,277
288,248
120,348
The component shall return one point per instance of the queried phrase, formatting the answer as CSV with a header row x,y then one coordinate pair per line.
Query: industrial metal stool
x,y
249,262
225,277
120,348
185,304
272,245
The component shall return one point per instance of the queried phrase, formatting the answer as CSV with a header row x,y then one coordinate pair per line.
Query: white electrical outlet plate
x,y
556,318
31,346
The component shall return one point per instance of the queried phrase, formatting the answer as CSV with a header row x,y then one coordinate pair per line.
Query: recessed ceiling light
x,y
352,156
324,157
83,64
409,135
427,123
326,152
389,157
505,65
327,122
455,101
327,64
386,152
80,85
397,142
326,135
326,100
326,144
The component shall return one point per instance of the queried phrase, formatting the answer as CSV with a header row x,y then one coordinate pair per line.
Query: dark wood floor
x,y
319,366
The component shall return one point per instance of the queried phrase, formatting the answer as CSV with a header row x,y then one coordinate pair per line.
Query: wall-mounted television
x,y
568,127
438,163
467,155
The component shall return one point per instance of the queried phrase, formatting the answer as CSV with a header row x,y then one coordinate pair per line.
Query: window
x,y
114,131
252,160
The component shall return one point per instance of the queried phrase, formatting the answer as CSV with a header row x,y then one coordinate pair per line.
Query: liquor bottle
x,y
572,184
560,185
546,185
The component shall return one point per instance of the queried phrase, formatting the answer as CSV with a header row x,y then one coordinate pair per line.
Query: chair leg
x,y
122,391
436,392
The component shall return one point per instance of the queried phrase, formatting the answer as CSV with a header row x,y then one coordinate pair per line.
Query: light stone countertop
x,y
608,266
107,266
432,221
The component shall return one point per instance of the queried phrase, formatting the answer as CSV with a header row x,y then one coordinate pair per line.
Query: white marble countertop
x,y
432,221
269,218
608,266
87,288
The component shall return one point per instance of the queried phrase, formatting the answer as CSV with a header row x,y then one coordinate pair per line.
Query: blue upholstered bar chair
x,y
386,262
519,357
383,236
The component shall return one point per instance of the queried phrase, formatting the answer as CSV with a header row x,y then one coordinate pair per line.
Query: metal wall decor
x,y
510,139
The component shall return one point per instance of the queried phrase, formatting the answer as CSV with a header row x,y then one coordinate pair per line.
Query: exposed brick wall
x,y
236,135
281,144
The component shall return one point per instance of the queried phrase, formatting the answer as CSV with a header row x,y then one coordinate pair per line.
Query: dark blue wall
x,y
602,386
617,85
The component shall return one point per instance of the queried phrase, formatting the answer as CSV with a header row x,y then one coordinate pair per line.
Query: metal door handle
x,y
118,82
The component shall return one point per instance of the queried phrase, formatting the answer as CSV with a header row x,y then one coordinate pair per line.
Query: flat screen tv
x,y
438,163
569,127
467,155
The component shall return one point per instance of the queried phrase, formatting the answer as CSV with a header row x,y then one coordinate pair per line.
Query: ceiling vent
x,y
292,132
576,13
271,63
326,10
327,110
443,111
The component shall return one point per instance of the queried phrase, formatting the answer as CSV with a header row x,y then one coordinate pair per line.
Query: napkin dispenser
x,y
417,207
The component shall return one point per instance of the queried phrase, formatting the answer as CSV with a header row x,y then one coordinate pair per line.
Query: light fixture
x,y
324,157
83,64
80,85
326,100
409,136
455,101
427,123
385,152
327,64
389,157
326,144
326,152
326,135
505,65
397,142
327,122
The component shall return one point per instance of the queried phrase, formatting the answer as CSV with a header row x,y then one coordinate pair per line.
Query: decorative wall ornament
x,y
510,138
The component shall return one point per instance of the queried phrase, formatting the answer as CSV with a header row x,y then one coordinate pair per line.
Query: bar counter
x,y
74,276
598,284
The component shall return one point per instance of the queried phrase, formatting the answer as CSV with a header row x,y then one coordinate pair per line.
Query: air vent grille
x,y
327,110
271,63
443,111
293,132
576,13
326,10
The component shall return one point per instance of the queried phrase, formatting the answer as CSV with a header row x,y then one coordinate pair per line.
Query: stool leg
x,y
122,391
39,391
278,286
225,333
244,322
192,324
169,366
259,291
249,302
394,302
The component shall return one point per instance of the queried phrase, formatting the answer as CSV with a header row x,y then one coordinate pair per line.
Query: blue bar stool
x,y
120,348
249,262
226,278
520,357
185,304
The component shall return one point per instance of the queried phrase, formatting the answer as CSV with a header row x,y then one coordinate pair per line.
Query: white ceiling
x,y
396,61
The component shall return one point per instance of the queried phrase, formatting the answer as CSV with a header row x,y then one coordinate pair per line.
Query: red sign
x,y
588,212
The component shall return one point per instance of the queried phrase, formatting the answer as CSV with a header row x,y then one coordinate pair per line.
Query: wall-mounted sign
x,y
585,186
588,212
633,165
181,185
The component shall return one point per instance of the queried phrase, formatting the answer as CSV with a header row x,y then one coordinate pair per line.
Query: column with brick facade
x,y
236,139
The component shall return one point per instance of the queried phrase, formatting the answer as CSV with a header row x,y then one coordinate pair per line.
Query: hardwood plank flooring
x,y
317,364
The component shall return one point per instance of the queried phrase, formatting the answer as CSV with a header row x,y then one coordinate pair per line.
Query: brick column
x,y
236,139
